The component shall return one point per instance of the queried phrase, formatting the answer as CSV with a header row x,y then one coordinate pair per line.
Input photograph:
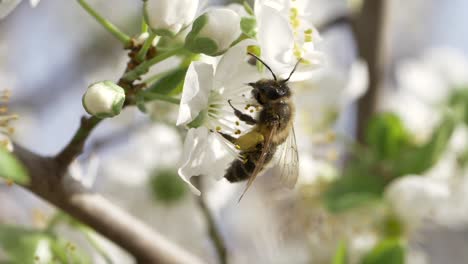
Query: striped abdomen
x,y
240,171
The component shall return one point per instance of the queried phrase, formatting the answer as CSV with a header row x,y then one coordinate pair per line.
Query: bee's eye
x,y
273,94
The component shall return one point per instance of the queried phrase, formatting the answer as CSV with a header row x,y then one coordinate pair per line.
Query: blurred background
x,y
51,53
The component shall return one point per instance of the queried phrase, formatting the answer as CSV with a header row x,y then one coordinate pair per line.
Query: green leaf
x,y
356,187
67,252
11,169
459,99
340,256
249,26
386,136
169,82
20,244
166,186
418,159
390,251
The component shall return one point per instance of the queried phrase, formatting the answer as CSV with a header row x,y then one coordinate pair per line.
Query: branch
x,y
213,231
146,245
75,147
370,33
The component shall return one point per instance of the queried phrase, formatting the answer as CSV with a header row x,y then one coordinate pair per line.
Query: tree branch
x,y
146,245
370,32
213,232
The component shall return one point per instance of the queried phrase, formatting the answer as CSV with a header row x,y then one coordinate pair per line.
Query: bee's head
x,y
269,90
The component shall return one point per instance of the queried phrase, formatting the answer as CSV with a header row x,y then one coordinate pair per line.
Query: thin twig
x,y
75,147
124,38
213,230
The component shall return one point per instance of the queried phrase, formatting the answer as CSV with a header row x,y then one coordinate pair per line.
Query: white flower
x,y
169,17
214,31
104,99
416,198
204,105
425,85
328,92
285,35
6,6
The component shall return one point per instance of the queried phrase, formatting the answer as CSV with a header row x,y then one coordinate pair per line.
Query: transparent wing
x,y
261,161
288,161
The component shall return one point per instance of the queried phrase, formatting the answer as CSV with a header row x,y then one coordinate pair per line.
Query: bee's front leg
x,y
243,117
228,137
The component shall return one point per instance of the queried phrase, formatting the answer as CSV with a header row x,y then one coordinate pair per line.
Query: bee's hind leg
x,y
243,117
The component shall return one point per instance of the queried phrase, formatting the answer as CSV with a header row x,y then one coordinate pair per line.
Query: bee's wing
x,y
288,161
261,160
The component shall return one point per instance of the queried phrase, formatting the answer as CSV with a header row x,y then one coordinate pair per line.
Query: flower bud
x,y
214,32
104,99
168,17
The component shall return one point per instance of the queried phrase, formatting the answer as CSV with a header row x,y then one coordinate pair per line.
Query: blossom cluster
x,y
354,201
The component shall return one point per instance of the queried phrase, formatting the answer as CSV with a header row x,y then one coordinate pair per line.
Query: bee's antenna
x,y
294,69
268,67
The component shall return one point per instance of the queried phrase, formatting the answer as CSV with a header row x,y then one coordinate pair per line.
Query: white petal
x,y
193,155
223,27
203,154
6,6
419,80
276,40
415,198
34,3
197,86
233,69
358,83
170,15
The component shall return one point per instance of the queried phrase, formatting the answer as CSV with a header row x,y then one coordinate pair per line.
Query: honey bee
x,y
271,133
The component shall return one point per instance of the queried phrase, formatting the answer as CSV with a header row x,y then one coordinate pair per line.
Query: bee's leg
x,y
243,117
228,137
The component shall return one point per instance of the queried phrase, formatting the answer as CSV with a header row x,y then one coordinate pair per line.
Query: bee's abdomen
x,y
240,171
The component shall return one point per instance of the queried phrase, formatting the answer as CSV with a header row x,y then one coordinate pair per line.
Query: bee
x,y
271,133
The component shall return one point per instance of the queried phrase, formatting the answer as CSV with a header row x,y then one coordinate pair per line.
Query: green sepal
x,y
168,82
198,121
197,44
248,26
